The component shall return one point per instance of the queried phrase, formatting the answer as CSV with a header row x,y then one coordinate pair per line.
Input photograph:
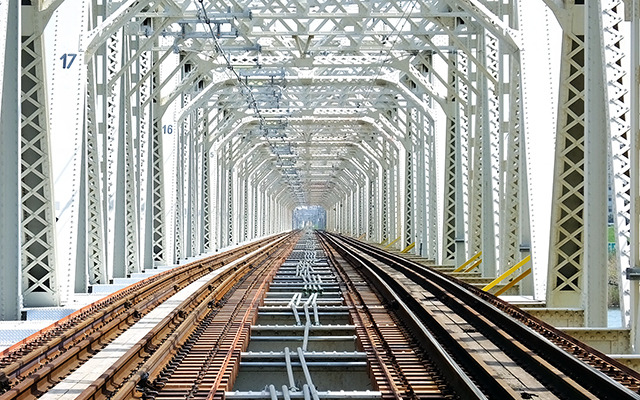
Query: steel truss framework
x,y
206,123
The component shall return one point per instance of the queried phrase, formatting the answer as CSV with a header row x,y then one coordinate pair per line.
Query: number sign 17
x,y
67,60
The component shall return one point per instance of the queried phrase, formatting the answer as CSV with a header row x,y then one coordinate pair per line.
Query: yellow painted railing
x,y
507,274
513,282
408,248
362,236
469,261
392,243
473,266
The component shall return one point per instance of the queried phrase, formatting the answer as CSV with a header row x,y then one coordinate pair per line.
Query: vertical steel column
x,y
488,150
263,211
423,199
348,211
245,206
594,292
565,278
495,66
191,186
142,104
230,207
337,214
619,116
131,222
274,214
205,204
384,204
634,174
475,159
394,219
338,209
155,196
223,192
342,217
111,111
255,209
431,223
331,220
181,171
10,284
354,209
221,181
454,242
348,220
409,185
362,204
37,215
81,268
147,217
374,231
91,259
339,217
463,161
460,173
281,217
122,165
510,216
270,218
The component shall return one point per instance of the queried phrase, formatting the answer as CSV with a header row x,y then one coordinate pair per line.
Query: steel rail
x,y
151,376
481,308
140,365
353,298
38,360
391,369
456,373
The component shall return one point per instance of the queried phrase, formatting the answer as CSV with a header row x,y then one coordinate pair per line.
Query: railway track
x,y
318,333
504,352
30,367
318,318
298,329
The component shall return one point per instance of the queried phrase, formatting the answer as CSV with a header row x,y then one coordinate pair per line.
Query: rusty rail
x,y
32,364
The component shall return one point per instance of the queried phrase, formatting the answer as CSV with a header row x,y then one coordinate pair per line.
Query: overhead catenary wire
x,y
245,88
402,20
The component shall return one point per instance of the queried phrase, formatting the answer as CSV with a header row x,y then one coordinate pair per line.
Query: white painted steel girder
x,y
402,119
10,240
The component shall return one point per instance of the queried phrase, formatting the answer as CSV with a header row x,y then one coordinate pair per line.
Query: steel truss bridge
x,y
140,133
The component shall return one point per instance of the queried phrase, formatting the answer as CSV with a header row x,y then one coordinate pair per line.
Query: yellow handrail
x,y
409,247
506,274
513,282
392,243
475,264
469,261
361,236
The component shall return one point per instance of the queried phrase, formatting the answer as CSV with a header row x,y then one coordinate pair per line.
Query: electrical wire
x,y
403,20
253,104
